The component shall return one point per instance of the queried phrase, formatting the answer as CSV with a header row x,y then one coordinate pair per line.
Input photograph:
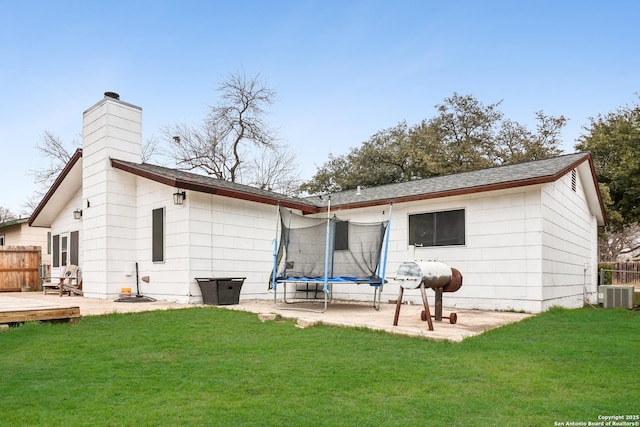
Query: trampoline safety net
x,y
353,251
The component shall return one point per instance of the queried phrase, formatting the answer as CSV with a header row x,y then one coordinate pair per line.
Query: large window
x,y
437,228
157,235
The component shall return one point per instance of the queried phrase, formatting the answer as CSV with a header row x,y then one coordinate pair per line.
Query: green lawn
x,y
211,366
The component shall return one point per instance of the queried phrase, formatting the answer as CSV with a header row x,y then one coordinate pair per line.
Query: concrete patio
x,y
469,322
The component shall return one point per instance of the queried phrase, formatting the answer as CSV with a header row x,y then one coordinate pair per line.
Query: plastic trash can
x,y
220,290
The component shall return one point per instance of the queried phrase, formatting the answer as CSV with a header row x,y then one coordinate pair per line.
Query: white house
x,y
524,236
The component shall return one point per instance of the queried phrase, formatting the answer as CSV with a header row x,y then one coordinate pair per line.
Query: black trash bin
x,y
220,290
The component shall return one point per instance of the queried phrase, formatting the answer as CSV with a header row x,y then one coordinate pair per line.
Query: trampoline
x,y
312,254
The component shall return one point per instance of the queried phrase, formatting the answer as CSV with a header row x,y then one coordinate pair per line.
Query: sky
x,y
342,70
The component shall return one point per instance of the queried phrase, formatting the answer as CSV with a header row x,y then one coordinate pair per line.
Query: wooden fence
x,y
620,273
20,268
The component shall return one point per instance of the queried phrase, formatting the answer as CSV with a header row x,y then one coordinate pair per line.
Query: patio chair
x,y
71,282
68,275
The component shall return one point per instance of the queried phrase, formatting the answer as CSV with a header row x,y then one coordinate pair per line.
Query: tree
x,y
6,215
275,169
465,130
52,148
464,135
233,140
517,144
614,142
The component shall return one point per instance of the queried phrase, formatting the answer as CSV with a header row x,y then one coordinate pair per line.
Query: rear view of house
x,y
524,236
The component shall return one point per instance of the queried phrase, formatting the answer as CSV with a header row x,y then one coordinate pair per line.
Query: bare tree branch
x,y
234,142
6,215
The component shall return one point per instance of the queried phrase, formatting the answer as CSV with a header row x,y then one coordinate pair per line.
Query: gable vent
x,y
573,179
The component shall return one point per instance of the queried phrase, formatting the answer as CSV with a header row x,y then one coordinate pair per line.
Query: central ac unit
x,y
614,296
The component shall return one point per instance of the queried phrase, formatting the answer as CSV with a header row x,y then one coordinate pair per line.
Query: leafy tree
x,y
517,144
614,142
233,142
381,159
464,135
465,130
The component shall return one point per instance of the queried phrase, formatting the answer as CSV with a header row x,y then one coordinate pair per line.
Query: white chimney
x,y
110,129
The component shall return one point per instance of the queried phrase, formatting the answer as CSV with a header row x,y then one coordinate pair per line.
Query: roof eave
x,y
54,187
209,189
483,188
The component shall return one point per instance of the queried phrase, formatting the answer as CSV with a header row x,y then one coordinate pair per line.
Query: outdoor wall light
x,y
77,214
178,198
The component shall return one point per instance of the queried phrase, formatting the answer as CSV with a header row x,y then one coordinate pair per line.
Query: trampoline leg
x,y
377,296
398,305
427,312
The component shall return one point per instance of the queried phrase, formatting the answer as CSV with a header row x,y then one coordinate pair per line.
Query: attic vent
x,y
573,179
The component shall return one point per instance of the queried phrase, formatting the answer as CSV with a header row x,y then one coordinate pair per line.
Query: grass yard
x,y
211,366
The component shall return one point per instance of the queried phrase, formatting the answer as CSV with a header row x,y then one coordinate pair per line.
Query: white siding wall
x,y
111,129
168,280
500,261
65,224
232,238
569,242
208,236
525,248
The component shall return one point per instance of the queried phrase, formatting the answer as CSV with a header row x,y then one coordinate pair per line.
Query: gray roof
x,y
499,177
527,173
207,184
11,222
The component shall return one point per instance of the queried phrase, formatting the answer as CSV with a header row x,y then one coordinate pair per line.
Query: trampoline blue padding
x,y
375,281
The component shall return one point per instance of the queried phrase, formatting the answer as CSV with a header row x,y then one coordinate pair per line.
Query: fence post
x,y
601,278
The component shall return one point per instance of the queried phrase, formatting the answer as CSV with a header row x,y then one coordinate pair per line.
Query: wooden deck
x,y
18,310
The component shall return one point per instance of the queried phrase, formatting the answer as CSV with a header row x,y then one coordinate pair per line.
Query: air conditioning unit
x,y
614,296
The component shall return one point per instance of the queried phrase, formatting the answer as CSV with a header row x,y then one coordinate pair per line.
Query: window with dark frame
x,y
74,241
55,243
341,241
157,235
446,228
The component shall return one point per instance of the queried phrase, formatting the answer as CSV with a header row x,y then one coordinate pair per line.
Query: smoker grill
x,y
428,274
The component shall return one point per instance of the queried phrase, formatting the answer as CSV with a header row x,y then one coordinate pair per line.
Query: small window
x,y
157,235
64,249
341,242
445,228
1,239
